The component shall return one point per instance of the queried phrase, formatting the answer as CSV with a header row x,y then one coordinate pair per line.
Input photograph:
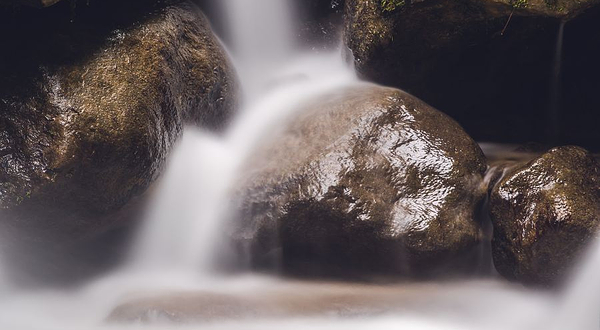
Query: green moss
x,y
519,4
391,5
553,5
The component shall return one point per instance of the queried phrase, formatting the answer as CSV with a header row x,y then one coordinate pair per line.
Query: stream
x,y
172,277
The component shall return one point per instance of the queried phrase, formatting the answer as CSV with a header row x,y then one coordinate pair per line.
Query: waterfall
x,y
182,229
177,248
580,308
555,86
262,39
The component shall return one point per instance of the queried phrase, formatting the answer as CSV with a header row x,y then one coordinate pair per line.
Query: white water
x,y
580,307
175,250
262,41
182,227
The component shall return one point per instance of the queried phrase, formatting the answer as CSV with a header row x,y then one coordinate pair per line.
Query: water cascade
x,y
579,309
176,250
555,85
183,222
262,41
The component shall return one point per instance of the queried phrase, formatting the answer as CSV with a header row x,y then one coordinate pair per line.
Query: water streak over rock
x,y
368,180
490,64
91,109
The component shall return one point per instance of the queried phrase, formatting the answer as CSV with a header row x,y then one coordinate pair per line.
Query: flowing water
x,y
555,85
171,275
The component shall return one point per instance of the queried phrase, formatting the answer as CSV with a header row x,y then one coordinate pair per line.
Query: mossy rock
x,y
548,8
488,65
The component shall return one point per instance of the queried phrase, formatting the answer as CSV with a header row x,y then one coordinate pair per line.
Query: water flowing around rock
x,y
316,172
183,229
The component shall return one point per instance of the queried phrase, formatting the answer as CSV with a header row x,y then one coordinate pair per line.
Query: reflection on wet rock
x,y
90,110
544,212
369,180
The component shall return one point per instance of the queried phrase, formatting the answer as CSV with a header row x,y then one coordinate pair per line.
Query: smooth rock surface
x,y
544,213
368,180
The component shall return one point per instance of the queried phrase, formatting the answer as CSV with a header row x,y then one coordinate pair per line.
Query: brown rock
x,y
544,213
490,64
369,180
90,110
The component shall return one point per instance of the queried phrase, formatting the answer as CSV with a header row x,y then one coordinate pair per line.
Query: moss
x,y
553,5
391,5
519,4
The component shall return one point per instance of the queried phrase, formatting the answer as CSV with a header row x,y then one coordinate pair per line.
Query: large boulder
x,y
544,213
368,180
490,64
90,109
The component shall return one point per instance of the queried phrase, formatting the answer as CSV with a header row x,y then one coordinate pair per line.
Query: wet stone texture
x,y
368,180
544,213
90,106
502,82
320,21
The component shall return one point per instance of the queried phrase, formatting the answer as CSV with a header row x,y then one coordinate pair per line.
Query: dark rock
x,y
33,3
320,21
90,109
544,212
549,8
369,180
464,59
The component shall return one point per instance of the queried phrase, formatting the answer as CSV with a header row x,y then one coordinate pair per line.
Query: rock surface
x,y
548,8
464,59
367,180
90,109
544,212
320,21
33,3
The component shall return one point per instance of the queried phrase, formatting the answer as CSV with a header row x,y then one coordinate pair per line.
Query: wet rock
x,y
544,212
549,8
467,59
320,21
368,180
90,107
